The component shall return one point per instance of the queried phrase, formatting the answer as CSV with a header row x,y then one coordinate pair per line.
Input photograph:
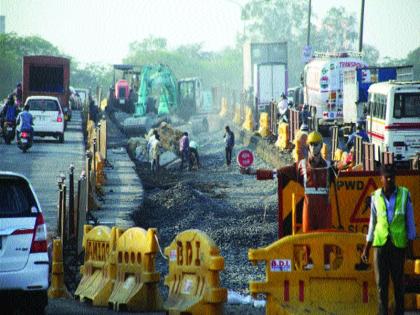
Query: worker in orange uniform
x,y
315,174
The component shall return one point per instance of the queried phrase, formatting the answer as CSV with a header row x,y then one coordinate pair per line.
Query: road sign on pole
x,y
245,158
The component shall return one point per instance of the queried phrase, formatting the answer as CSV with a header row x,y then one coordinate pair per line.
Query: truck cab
x,y
393,121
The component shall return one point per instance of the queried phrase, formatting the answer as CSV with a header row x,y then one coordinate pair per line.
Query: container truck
x,y
48,76
265,72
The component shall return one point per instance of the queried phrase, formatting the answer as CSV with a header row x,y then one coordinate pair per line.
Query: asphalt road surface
x,y
43,163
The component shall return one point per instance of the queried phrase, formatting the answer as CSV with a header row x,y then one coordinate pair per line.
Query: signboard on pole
x,y
245,158
306,54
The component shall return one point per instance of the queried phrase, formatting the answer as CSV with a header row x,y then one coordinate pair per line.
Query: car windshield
x,y
16,198
44,105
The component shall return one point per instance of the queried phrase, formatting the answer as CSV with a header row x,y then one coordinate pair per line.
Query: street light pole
x,y
308,38
362,16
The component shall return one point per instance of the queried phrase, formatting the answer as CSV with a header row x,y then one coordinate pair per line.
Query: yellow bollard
x,y
57,288
324,151
249,120
300,150
264,130
237,116
224,107
283,136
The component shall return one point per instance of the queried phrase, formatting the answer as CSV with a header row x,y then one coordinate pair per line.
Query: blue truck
x,y
356,83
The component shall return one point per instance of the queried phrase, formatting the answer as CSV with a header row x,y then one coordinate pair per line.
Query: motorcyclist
x,y
18,92
9,111
24,121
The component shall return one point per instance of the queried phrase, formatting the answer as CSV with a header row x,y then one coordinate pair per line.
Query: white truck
x,y
323,85
265,72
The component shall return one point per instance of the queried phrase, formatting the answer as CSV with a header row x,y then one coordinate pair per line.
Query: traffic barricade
x,y
99,268
136,284
237,115
223,107
316,273
249,120
264,129
57,288
283,136
193,279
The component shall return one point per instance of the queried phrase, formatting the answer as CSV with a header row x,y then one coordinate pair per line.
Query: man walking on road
x,y
184,149
391,232
229,144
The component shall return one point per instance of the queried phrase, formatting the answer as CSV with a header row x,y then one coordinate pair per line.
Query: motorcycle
x,y
8,131
24,140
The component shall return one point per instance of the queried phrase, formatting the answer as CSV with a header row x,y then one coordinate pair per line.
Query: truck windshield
x,y
407,105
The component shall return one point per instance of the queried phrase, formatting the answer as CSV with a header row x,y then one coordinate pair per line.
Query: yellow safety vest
x,y
397,228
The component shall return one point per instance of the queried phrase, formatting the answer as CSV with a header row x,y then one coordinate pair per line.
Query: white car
x,y
48,116
24,261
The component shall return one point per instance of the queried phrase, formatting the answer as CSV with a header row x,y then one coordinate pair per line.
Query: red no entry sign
x,y
245,158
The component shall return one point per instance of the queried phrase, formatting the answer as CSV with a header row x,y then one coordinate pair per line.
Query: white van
x,y
393,121
48,116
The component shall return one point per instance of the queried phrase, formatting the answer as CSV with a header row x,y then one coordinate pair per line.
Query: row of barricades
x,y
314,273
119,271
97,148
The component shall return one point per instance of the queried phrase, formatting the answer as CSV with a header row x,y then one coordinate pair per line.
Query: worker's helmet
x,y
314,137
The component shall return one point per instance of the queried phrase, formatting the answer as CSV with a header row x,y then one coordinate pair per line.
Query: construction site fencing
x,y
316,271
193,279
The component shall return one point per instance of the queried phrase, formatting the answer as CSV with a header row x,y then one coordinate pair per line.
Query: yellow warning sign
x,y
353,194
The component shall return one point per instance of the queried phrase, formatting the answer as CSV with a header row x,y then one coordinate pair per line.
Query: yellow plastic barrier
x,y
237,115
99,268
300,149
224,107
135,287
193,279
283,136
104,104
316,273
100,169
57,288
324,151
249,120
264,129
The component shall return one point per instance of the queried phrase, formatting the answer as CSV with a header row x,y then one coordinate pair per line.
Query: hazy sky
x,y
100,30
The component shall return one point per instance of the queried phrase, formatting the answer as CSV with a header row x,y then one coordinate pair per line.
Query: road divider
x,y
193,279
136,284
57,288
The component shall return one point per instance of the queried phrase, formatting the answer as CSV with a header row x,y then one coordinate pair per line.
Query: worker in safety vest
x,y
391,232
315,174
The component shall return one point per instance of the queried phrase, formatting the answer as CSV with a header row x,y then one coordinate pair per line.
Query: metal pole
x,y
308,38
64,217
362,17
71,201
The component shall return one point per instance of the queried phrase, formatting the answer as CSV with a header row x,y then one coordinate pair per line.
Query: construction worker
x,y
391,232
315,175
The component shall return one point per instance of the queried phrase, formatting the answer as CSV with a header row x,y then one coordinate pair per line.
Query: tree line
x,y
265,21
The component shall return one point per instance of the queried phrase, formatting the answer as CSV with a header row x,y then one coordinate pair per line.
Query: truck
x,y
48,76
265,72
323,85
357,82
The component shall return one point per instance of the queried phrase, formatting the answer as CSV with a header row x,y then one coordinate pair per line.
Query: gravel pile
x,y
236,211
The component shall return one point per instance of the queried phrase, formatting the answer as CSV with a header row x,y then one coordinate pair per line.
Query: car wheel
x,y
61,138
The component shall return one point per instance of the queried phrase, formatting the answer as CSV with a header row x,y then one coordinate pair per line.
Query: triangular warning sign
x,y
361,211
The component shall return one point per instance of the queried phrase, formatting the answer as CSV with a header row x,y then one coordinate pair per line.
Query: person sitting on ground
x,y
194,158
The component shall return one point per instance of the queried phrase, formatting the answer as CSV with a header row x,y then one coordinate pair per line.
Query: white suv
x,y
24,259
47,115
